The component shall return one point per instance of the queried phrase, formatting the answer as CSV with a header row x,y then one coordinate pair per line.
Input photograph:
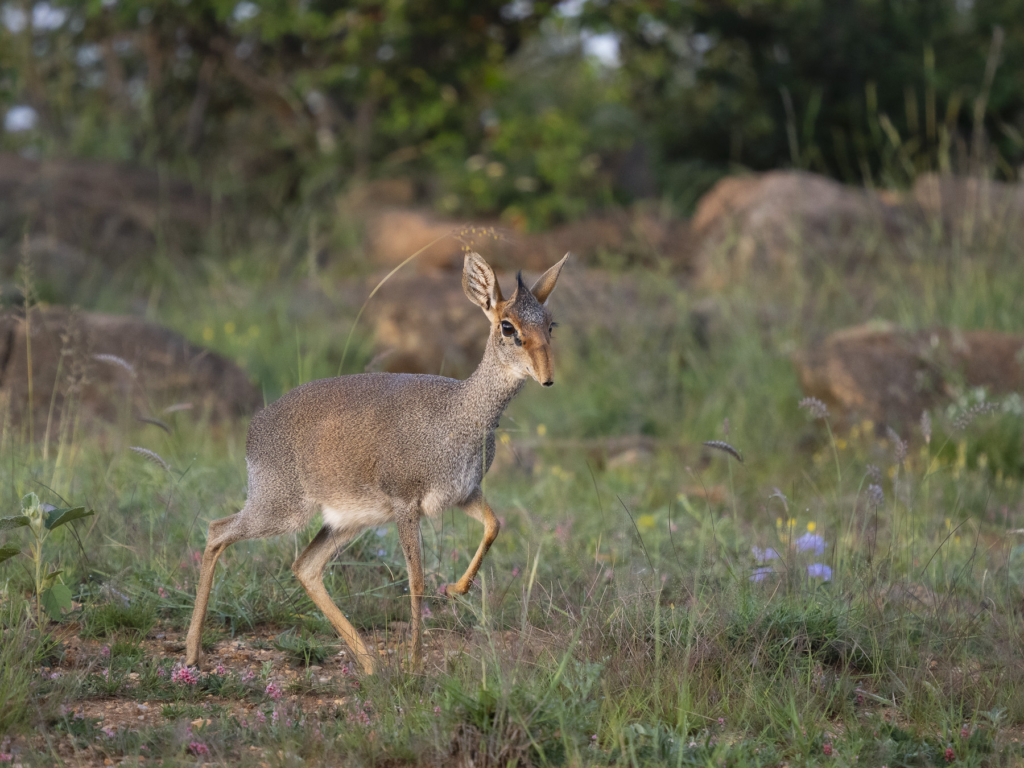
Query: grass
x,y
623,616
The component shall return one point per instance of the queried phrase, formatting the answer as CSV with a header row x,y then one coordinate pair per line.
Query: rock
x,y
785,222
890,376
395,234
105,366
83,214
423,323
976,211
616,237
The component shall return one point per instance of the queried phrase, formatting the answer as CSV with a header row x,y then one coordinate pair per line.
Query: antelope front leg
x,y
409,536
478,509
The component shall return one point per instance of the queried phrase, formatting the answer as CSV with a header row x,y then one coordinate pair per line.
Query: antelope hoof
x,y
450,590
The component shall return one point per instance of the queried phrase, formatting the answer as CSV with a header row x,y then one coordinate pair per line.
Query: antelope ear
x,y
480,284
546,283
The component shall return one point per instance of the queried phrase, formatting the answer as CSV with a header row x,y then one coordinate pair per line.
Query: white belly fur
x,y
358,516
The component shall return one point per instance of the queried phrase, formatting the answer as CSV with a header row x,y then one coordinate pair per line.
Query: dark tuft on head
x,y
520,285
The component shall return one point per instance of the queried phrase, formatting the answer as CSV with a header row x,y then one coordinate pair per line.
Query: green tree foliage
x,y
492,108
850,88
271,88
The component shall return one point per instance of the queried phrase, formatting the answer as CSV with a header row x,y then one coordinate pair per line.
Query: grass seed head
x,y
899,446
815,407
724,447
876,496
151,456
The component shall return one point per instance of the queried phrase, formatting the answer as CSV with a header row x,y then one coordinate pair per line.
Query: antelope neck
x,y
490,389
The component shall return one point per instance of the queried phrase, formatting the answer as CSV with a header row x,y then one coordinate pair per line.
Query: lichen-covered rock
x,y
891,376
789,222
97,366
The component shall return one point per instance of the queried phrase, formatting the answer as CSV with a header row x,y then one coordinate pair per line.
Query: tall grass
x,y
653,605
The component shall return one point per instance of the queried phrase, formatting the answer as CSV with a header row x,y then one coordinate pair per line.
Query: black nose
x,y
549,383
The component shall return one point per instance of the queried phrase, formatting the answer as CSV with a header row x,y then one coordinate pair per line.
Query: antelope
x,y
374,448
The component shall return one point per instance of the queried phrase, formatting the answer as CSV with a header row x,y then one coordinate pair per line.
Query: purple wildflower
x,y
819,571
274,691
760,574
764,555
811,542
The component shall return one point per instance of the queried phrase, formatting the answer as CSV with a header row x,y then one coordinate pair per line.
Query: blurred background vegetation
x,y
535,112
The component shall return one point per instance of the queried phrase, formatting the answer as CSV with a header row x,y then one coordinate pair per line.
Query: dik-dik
x,y
375,448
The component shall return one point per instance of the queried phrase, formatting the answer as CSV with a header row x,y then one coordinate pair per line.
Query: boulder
x,y
889,375
423,323
79,215
109,367
785,222
977,211
616,237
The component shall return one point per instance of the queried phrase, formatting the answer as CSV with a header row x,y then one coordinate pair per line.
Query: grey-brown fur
x,y
380,447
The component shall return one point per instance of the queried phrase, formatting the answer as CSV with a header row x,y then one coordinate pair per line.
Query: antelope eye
x,y
551,328
507,329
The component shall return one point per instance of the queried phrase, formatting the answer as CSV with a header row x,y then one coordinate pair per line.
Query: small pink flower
x,y
260,718
827,749
249,675
360,717
515,571
162,592
198,748
6,757
274,717
161,672
105,651
965,731
950,755
274,691
197,557
110,732
427,613
721,722
220,670
184,675
437,711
